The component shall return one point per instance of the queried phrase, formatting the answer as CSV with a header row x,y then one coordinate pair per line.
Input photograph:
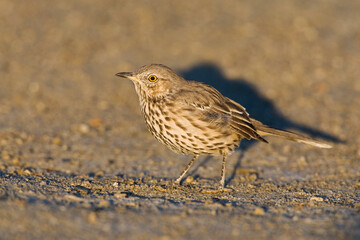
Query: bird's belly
x,y
182,134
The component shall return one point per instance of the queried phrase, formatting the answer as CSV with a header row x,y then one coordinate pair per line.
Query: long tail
x,y
264,130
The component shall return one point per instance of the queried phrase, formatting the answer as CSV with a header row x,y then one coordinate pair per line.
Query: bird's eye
x,y
152,78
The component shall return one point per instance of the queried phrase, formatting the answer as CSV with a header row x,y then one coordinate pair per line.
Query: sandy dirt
x,y
76,159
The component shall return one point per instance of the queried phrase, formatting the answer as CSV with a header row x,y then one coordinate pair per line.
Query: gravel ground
x,y
76,159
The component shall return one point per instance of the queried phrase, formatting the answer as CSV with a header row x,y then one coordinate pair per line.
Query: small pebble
x,y
92,218
15,161
56,141
120,195
259,211
316,199
74,198
83,128
189,179
96,122
104,204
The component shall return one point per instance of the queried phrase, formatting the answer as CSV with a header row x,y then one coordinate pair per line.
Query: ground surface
x,y
76,159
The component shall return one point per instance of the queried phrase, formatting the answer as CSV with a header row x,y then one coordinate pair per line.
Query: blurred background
x,y
64,54
292,64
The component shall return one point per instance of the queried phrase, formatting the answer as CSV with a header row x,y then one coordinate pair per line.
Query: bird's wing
x,y
214,108
241,122
204,102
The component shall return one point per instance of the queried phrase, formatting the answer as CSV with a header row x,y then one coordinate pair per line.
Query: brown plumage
x,y
194,118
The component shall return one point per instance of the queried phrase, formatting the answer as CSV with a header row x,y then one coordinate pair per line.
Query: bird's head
x,y
154,80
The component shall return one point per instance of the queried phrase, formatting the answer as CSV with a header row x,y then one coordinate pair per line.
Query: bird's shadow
x,y
256,104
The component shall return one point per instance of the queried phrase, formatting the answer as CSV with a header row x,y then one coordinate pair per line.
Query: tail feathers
x,y
264,130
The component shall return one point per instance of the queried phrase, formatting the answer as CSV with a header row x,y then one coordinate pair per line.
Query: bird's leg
x,y
222,180
186,169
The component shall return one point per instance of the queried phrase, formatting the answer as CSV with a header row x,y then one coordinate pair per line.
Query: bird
x,y
194,118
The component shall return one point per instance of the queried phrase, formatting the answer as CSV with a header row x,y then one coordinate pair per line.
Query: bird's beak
x,y
129,75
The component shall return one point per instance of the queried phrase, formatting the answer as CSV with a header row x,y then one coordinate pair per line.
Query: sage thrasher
x,y
191,117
